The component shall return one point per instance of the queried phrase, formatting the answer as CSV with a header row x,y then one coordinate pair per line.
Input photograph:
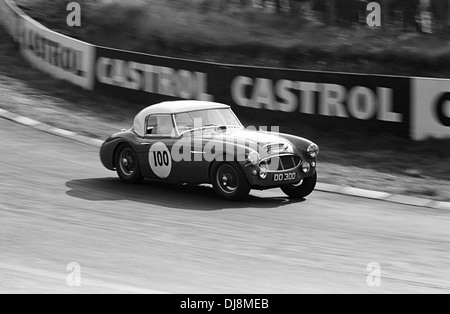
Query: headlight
x,y
313,151
253,158
306,167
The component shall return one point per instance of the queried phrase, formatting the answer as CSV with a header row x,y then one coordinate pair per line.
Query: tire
x,y
302,190
127,164
229,181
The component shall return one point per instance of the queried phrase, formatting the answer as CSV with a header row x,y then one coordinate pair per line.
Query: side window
x,y
160,125
184,121
151,125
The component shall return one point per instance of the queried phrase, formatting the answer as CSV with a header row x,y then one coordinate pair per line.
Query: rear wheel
x,y
127,164
229,181
302,189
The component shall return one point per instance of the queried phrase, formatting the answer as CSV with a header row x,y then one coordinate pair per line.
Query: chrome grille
x,y
276,148
280,163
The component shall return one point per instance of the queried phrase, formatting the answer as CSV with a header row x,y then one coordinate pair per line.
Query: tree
x,y
331,6
409,9
440,13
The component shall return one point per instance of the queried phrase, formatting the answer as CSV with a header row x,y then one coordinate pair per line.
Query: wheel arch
x,y
108,152
242,188
216,161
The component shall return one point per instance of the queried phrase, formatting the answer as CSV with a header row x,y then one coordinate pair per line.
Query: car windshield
x,y
196,120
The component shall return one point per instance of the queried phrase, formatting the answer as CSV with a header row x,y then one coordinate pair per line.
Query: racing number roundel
x,y
160,160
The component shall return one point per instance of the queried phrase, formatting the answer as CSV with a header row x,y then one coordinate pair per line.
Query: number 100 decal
x,y
160,160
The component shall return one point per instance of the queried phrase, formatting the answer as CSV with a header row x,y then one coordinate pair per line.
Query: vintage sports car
x,y
200,142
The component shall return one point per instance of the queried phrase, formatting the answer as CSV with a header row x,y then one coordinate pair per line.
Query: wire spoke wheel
x,y
301,189
128,162
127,165
229,181
227,178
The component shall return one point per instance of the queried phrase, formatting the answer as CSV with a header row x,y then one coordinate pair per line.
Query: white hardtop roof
x,y
173,107
179,106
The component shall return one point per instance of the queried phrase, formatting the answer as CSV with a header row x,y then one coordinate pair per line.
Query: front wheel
x,y
302,189
229,181
127,165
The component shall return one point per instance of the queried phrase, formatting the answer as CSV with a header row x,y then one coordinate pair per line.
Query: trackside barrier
x,y
416,107
331,99
430,108
11,18
58,55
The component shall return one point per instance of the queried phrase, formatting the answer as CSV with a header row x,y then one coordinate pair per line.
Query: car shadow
x,y
189,197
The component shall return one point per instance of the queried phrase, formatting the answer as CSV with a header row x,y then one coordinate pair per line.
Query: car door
x,y
156,147
190,165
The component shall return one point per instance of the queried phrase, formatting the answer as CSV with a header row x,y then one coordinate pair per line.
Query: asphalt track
x,y
58,205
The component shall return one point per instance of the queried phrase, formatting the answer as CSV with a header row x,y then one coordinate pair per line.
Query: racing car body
x,y
204,142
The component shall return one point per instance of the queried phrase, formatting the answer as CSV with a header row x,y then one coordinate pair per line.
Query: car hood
x,y
266,142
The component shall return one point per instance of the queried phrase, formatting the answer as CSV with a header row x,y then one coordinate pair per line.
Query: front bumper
x,y
276,179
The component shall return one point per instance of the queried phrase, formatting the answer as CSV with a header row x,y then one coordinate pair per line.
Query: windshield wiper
x,y
216,125
206,126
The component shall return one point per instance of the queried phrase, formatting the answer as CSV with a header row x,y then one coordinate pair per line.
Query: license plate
x,y
279,177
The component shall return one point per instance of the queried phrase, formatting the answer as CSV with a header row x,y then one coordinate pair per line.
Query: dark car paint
x,y
198,171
